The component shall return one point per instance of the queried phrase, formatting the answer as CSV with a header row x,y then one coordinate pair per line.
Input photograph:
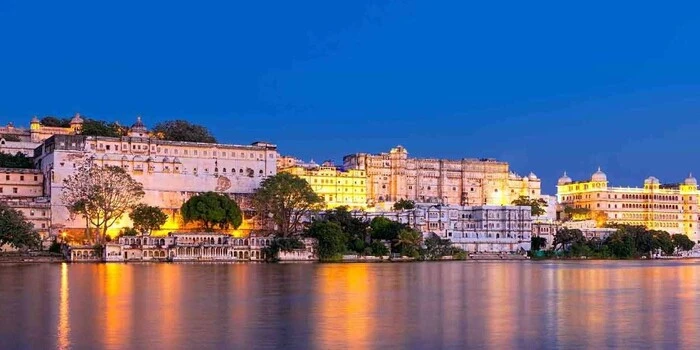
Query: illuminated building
x,y
486,228
394,176
171,172
668,207
336,186
22,189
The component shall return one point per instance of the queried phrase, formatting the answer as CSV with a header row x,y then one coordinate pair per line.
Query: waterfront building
x,y
669,207
394,176
171,172
190,247
486,228
335,185
22,189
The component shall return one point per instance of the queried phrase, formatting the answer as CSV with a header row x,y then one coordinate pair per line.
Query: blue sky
x,y
547,86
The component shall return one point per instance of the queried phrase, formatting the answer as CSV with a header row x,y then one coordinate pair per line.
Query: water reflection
x,y
63,329
495,305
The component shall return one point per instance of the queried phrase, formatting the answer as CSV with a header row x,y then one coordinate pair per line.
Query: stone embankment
x,y
34,257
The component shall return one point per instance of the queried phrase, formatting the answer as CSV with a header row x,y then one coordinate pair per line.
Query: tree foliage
x,y
147,218
182,130
330,240
212,210
55,122
101,194
404,204
18,160
682,242
537,205
93,127
565,238
409,242
384,229
285,199
436,248
537,243
15,230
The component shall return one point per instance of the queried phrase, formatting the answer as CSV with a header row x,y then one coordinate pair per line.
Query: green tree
x,y
355,228
15,230
537,205
621,244
182,130
537,243
285,199
565,238
212,210
101,194
18,160
284,244
404,204
384,229
93,127
55,122
436,248
682,242
662,240
378,249
330,240
409,242
147,218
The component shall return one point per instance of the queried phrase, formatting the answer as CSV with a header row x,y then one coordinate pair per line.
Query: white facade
x,y
170,171
488,228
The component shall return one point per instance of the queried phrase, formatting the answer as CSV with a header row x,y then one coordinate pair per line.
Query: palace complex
x,y
394,176
170,171
668,207
335,185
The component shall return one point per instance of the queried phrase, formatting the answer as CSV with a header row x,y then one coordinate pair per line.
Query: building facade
x,y
335,185
23,140
490,228
669,207
22,189
394,176
171,172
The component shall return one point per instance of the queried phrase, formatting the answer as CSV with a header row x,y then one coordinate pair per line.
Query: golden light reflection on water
x,y
117,289
63,310
346,302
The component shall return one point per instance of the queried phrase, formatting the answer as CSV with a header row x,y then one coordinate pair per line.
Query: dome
x,y
651,180
76,119
35,120
691,180
513,176
138,125
564,180
532,176
599,176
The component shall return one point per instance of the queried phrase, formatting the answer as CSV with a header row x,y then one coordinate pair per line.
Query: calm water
x,y
498,305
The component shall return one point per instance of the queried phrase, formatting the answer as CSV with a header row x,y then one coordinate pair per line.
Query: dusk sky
x,y
547,85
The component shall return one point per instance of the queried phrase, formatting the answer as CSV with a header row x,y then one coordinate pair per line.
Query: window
x,y
21,178
36,178
0,189
7,177
14,189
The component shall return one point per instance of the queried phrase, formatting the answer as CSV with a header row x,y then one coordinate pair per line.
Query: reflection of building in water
x,y
669,207
394,176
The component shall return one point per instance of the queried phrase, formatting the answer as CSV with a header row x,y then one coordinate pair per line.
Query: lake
x,y
450,305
